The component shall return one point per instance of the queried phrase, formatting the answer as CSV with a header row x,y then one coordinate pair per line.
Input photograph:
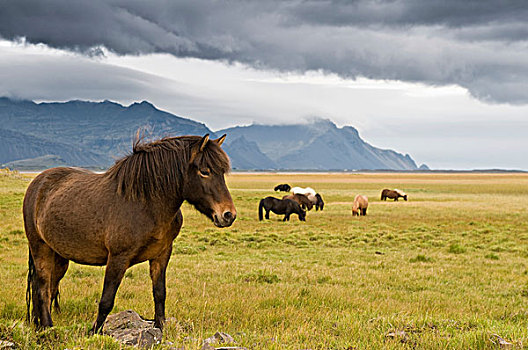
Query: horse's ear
x,y
203,142
220,140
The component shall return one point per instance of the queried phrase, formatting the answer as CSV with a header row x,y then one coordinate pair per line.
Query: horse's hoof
x,y
94,331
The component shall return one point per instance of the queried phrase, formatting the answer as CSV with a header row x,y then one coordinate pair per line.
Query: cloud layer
x,y
480,45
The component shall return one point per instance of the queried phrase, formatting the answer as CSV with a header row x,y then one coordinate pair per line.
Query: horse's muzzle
x,y
224,220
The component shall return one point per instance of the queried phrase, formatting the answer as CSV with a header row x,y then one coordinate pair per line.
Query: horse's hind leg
x,y
364,211
115,270
267,214
59,270
43,260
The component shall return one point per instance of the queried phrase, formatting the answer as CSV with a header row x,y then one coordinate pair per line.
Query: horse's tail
x,y
30,281
261,209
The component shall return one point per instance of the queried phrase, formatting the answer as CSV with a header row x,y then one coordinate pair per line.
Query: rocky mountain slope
x,y
320,145
81,133
95,134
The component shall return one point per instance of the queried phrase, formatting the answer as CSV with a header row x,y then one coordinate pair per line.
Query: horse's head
x,y
205,187
319,204
355,208
405,197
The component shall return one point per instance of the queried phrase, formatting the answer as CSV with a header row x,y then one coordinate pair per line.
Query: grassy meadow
x,y
449,268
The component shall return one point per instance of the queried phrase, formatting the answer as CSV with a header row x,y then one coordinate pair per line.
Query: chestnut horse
x,y
392,194
360,205
120,218
303,200
309,192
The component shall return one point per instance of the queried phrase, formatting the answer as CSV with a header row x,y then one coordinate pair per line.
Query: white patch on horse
x,y
400,192
306,191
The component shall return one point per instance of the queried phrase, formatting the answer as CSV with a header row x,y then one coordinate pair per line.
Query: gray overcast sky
x,y
445,81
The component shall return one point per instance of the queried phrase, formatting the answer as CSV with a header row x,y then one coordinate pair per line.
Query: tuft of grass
x,y
261,277
324,279
420,258
456,248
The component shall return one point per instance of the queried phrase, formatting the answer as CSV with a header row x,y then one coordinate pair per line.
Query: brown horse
x,y
392,194
360,205
303,200
120,218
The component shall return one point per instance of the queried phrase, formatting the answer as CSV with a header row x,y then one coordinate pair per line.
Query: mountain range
x,y
95,134
319,145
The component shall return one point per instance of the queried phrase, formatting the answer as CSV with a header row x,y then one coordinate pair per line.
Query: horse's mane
x,y
158,168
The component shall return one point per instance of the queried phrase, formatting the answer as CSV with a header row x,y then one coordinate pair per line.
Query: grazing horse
x,y
120,218
303,200
283,188
314,197
360,205
392,194
281,206
319,204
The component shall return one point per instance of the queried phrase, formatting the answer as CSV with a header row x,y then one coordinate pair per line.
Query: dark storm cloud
x,y
451,13
480,45
43,77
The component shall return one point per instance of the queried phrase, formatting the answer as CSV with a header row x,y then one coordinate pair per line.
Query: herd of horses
x,y
304,199
298,202
131,214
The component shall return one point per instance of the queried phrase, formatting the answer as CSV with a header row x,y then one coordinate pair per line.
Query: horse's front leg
x,y
158,268
115,270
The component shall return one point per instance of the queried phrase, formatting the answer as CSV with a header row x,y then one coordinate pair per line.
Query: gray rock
x,y
503,343
397,334
219,337
6,345
129,328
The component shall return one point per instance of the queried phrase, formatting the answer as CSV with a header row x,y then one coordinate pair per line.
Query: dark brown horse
x,y
392,194
283,188
303,200
125,216
319,203
280,206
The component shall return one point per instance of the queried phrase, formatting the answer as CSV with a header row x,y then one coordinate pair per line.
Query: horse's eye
x,y
204,173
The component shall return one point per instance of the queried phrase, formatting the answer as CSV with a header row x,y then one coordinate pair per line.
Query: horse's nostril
x,y
228,215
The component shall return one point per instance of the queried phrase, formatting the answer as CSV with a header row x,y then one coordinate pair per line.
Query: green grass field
x,y
449,268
